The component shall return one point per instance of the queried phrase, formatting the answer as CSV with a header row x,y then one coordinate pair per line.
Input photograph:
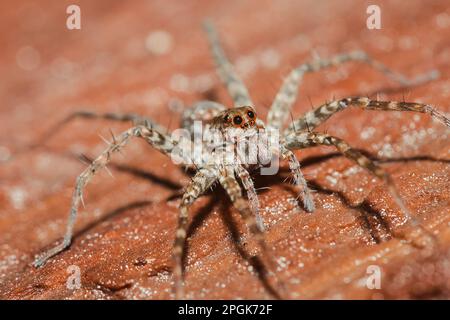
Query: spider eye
x,y
237,120
251,114
226,118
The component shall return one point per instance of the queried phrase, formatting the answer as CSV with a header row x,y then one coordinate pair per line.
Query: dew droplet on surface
x,y
28,58
443,20
17,197
246,65
62,68
270,59
5,154
367,133
203,82
384,43
159,42
179,83
407,43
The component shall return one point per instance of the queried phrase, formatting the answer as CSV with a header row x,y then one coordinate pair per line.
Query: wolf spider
x,y
299,134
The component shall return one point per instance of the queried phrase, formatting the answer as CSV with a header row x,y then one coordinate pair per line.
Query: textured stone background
x,y
124,235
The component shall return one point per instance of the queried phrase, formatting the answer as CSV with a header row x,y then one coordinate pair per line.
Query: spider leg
x,y
202,180
85,114
251,193
287,94
231,186
134,118
309,139
153,137
202,111
299,179
233,83
313,118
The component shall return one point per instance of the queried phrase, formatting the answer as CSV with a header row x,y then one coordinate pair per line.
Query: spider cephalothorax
x,y
240,124
234,135
241,117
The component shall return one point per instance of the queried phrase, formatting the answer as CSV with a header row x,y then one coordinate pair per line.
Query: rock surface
x,y
152,58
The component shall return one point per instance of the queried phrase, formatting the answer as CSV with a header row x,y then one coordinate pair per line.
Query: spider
x,y
242,121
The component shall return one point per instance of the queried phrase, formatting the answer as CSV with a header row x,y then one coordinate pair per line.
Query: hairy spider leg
x,y
302,140
313,118
156,139
230,79
286,96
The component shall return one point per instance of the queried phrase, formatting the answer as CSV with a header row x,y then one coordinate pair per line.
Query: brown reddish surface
x,y
124,235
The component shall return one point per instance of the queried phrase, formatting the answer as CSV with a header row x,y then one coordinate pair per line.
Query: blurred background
x,y
152,58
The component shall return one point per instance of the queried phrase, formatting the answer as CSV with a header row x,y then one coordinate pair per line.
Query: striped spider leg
x,y
228,181
159,141
313,118
286,96
230,79
135,119
202,181
299,136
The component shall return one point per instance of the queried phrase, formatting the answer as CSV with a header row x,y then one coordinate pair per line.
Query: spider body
x,y
237,141
225,136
